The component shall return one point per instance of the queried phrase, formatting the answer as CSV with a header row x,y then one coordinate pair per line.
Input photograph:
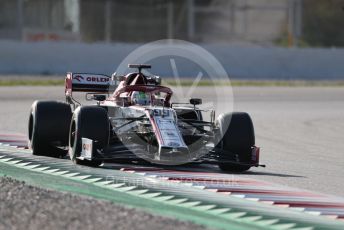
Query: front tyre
x,y
237,139
49,127
89,122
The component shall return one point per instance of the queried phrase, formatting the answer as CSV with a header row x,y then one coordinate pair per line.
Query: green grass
x,y
187,82
31,82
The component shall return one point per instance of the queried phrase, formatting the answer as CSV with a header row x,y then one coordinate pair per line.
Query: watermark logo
x,y
150,182
191,72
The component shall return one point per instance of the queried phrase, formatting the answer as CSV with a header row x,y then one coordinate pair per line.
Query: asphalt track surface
x,y
300,130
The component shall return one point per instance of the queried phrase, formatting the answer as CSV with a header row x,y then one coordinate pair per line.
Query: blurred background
x,y
253,39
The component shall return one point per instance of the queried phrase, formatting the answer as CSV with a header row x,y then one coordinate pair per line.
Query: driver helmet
x,y
140,98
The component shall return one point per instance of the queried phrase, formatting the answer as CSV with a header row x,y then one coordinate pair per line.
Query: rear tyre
x,y
49,127
89,122
237,132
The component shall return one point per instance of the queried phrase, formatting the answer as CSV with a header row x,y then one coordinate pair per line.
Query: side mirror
x,y
158,80
195,101
99,97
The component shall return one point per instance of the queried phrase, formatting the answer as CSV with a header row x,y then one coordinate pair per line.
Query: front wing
x,y
120,153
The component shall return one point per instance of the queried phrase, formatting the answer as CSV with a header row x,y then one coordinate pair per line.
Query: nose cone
x,y
174,155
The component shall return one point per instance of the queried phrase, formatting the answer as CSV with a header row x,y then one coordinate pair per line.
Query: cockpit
x,y
139,89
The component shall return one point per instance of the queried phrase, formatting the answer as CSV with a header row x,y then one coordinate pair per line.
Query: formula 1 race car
x,y
134,120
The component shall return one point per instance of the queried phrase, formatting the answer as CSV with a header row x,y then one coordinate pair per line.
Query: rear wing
x,y
85,82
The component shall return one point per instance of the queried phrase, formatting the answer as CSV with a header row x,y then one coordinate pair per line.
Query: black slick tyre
x,y
89,122
237,139
48,127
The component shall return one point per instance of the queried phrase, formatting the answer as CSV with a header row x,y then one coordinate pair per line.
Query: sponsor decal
x,y
173,144
86,147
78,78
255,154
97,79
93,79
167,127
170,134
